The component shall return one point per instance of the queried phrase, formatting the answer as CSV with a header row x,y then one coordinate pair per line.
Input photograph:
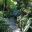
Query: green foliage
x,y
1,2
3,25
1,14
11,6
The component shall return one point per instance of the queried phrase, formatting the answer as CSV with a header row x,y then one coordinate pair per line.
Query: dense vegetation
x,y
20,9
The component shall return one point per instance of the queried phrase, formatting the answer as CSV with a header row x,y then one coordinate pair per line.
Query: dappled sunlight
x,y
15,15
14,2
17,30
